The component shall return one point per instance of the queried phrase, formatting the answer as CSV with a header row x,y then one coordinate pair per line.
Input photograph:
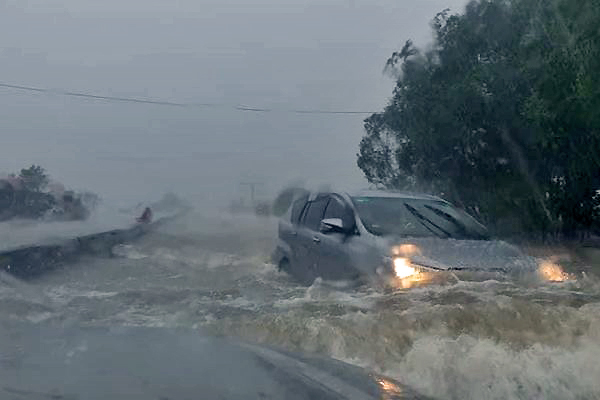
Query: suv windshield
x,y
416,218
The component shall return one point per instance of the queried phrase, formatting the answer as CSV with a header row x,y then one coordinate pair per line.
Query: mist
x,y
282,56
250,93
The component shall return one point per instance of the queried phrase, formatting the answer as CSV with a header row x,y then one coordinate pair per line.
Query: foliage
x,y
30,196
34,178
500,116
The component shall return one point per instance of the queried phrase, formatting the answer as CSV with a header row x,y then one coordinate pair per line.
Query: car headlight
x,y
552,272
403,268
403,272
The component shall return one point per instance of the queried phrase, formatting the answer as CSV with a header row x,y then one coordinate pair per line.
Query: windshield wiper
x,y
423,220
449,218
462,228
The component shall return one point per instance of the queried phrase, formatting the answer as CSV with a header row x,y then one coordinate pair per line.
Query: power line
x,y
332,112
124,99
244,108
90,96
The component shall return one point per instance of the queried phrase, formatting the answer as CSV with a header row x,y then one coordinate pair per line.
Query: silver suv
x,y
387,236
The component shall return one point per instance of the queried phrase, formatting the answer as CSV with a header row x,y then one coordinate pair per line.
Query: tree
x,y
564,106
500,115
34,178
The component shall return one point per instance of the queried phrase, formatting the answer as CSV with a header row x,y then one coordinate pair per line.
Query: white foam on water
x,y
321,292
128,251
490,339
64,293
13,288
208,259
39,317
474,368
17,233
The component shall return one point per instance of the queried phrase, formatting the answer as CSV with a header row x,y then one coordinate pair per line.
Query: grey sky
x,y
285,54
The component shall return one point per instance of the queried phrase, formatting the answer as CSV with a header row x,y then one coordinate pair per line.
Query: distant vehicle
x,y
392,238
251,205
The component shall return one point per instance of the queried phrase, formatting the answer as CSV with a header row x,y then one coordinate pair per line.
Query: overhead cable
x,y
244,108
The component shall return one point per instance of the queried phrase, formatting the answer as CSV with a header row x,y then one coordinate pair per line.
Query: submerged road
x,y
457,340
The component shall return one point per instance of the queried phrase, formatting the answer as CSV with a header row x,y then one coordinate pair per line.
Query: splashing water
x,y
490,339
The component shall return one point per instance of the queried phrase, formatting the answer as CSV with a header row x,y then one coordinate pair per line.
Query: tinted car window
x,y
297,208
335,209
314,214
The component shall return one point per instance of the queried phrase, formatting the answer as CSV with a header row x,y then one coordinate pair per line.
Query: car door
x,y
308,240
334,249
288,230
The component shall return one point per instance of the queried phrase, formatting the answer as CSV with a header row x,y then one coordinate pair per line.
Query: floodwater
x,y
491,339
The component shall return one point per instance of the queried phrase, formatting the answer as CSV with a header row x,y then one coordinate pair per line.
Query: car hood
x,y
43,361
484,255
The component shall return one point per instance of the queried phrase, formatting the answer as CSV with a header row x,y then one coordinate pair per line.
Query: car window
x,y
297,208
314,214
335,209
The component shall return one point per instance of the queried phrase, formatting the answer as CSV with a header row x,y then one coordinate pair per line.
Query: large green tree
x,y
477,119
564,108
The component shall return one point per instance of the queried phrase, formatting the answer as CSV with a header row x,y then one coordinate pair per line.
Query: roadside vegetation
x,y
31,194
501,115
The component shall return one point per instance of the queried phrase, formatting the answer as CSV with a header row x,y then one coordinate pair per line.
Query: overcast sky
x,y
276,54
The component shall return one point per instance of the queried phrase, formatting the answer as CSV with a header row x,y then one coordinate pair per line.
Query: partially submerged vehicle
x,y
41,361
392,238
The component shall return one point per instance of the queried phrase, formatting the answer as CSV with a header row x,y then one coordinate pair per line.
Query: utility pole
x,y
252,186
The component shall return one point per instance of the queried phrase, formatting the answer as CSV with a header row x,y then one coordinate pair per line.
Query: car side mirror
x,y
333,225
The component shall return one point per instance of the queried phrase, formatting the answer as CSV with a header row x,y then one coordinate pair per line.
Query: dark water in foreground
x,y
461,340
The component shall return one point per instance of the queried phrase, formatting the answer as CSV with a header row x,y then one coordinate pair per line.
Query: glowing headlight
x,y
552,272
405,250
402,268
389,387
